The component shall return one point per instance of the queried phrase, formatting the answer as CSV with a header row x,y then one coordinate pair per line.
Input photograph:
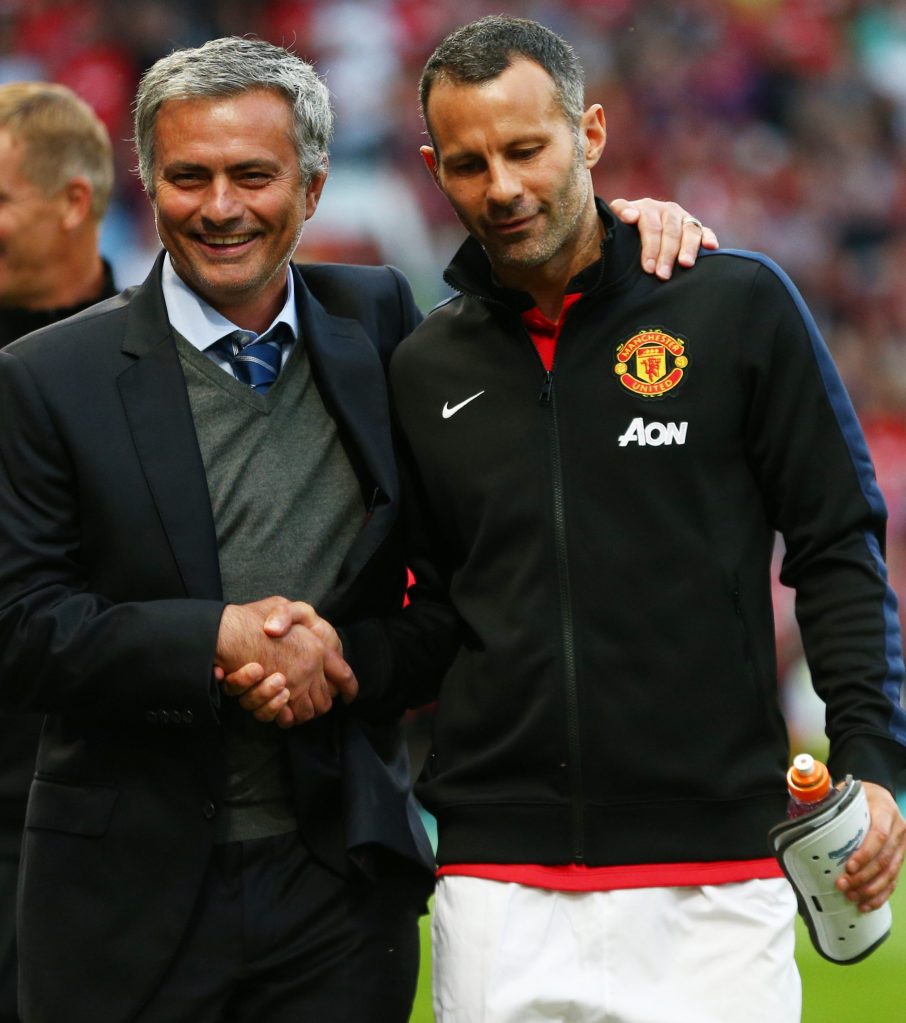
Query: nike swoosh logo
x,y
448,411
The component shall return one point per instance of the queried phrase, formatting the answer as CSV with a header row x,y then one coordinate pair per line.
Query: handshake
x,y
282,661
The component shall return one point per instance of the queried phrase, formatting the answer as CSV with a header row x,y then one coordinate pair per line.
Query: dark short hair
x,y
483,49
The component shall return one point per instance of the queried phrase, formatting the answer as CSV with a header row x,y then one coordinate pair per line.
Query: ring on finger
x,y
693,220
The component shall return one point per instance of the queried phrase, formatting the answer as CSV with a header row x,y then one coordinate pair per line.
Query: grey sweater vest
x,y
287,507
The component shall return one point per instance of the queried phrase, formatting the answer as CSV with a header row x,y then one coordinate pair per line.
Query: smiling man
x,y
171,459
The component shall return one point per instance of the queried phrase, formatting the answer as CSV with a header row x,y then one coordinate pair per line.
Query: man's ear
x,y
75,200
593,128
313,192
430,160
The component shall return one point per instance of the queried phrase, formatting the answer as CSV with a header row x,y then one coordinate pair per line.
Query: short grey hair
x,y
226,67
484,49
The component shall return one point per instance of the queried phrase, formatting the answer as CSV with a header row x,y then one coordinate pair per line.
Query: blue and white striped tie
x,y
255,362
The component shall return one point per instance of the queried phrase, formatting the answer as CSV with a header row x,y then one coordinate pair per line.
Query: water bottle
x,y
824,828
809,785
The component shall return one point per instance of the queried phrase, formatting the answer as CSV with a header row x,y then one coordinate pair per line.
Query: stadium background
x,y
781,123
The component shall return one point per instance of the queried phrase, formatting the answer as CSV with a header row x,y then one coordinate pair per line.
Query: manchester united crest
x,y
651,364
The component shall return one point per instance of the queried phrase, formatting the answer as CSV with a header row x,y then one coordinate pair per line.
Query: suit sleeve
x,y
65,648
821,494
400,659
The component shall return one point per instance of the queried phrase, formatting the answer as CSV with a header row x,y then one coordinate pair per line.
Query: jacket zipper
x,y
567,624
747,653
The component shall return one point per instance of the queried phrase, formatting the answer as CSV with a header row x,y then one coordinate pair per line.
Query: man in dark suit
x,y
183,859
56,176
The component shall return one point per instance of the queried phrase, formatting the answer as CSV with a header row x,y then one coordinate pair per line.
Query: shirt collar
x,y
199,323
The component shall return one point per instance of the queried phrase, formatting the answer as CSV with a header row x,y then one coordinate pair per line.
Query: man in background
x,y
56,176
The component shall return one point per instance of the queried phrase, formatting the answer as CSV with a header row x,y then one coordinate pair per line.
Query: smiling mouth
x,y
512,226
224,241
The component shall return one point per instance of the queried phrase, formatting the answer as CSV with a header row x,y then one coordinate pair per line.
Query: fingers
x,y
709,239
265,700
285,718
327,634
237,682
340,676
269,698
312,702
872,871
690,240
625,210
669,234
284,616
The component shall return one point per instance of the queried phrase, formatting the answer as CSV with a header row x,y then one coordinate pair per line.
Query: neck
x,y
256,311
76,278
82,288
547,282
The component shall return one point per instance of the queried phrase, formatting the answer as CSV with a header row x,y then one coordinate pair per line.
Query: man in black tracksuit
x,y
598,462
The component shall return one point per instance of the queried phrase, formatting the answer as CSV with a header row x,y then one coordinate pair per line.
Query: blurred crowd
x,y
780,123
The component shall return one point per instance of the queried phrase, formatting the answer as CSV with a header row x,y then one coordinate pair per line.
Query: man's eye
x,y
526,154
469,167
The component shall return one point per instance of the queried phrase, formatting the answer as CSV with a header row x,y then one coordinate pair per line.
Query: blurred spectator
x,y
56,175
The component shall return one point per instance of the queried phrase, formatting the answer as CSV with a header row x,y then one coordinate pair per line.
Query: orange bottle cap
x,y
808,779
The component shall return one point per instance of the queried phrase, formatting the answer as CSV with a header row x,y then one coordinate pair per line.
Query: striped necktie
x,y
255,362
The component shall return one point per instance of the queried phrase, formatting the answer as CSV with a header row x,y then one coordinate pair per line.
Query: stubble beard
x,y
559,231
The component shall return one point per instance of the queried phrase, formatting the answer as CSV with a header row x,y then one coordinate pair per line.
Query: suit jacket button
x,y
151,717
208,810
175,717
188,716
163,717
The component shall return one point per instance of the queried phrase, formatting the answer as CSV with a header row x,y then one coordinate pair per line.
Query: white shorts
x,y
507,953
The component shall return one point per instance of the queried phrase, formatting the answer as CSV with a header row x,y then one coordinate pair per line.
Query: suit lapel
x,y
351,379
154,394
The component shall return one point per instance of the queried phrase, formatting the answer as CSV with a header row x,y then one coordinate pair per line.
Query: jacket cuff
x,y
367,651
868,758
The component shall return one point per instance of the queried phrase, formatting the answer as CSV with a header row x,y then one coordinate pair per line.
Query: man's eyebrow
x,y
177,166
182,165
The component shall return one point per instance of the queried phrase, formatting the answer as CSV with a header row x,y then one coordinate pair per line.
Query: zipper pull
x,y
547,388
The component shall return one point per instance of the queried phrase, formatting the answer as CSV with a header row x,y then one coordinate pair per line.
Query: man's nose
x,y
504,183
222,202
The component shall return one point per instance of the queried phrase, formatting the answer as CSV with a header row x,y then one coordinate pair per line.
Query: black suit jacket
x,y
110,602
18,734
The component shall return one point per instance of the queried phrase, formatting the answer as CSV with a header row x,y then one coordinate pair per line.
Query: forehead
x,y
215,130
13,181
522,100
12,150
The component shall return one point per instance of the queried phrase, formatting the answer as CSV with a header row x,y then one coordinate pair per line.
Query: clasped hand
x,y
282,661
